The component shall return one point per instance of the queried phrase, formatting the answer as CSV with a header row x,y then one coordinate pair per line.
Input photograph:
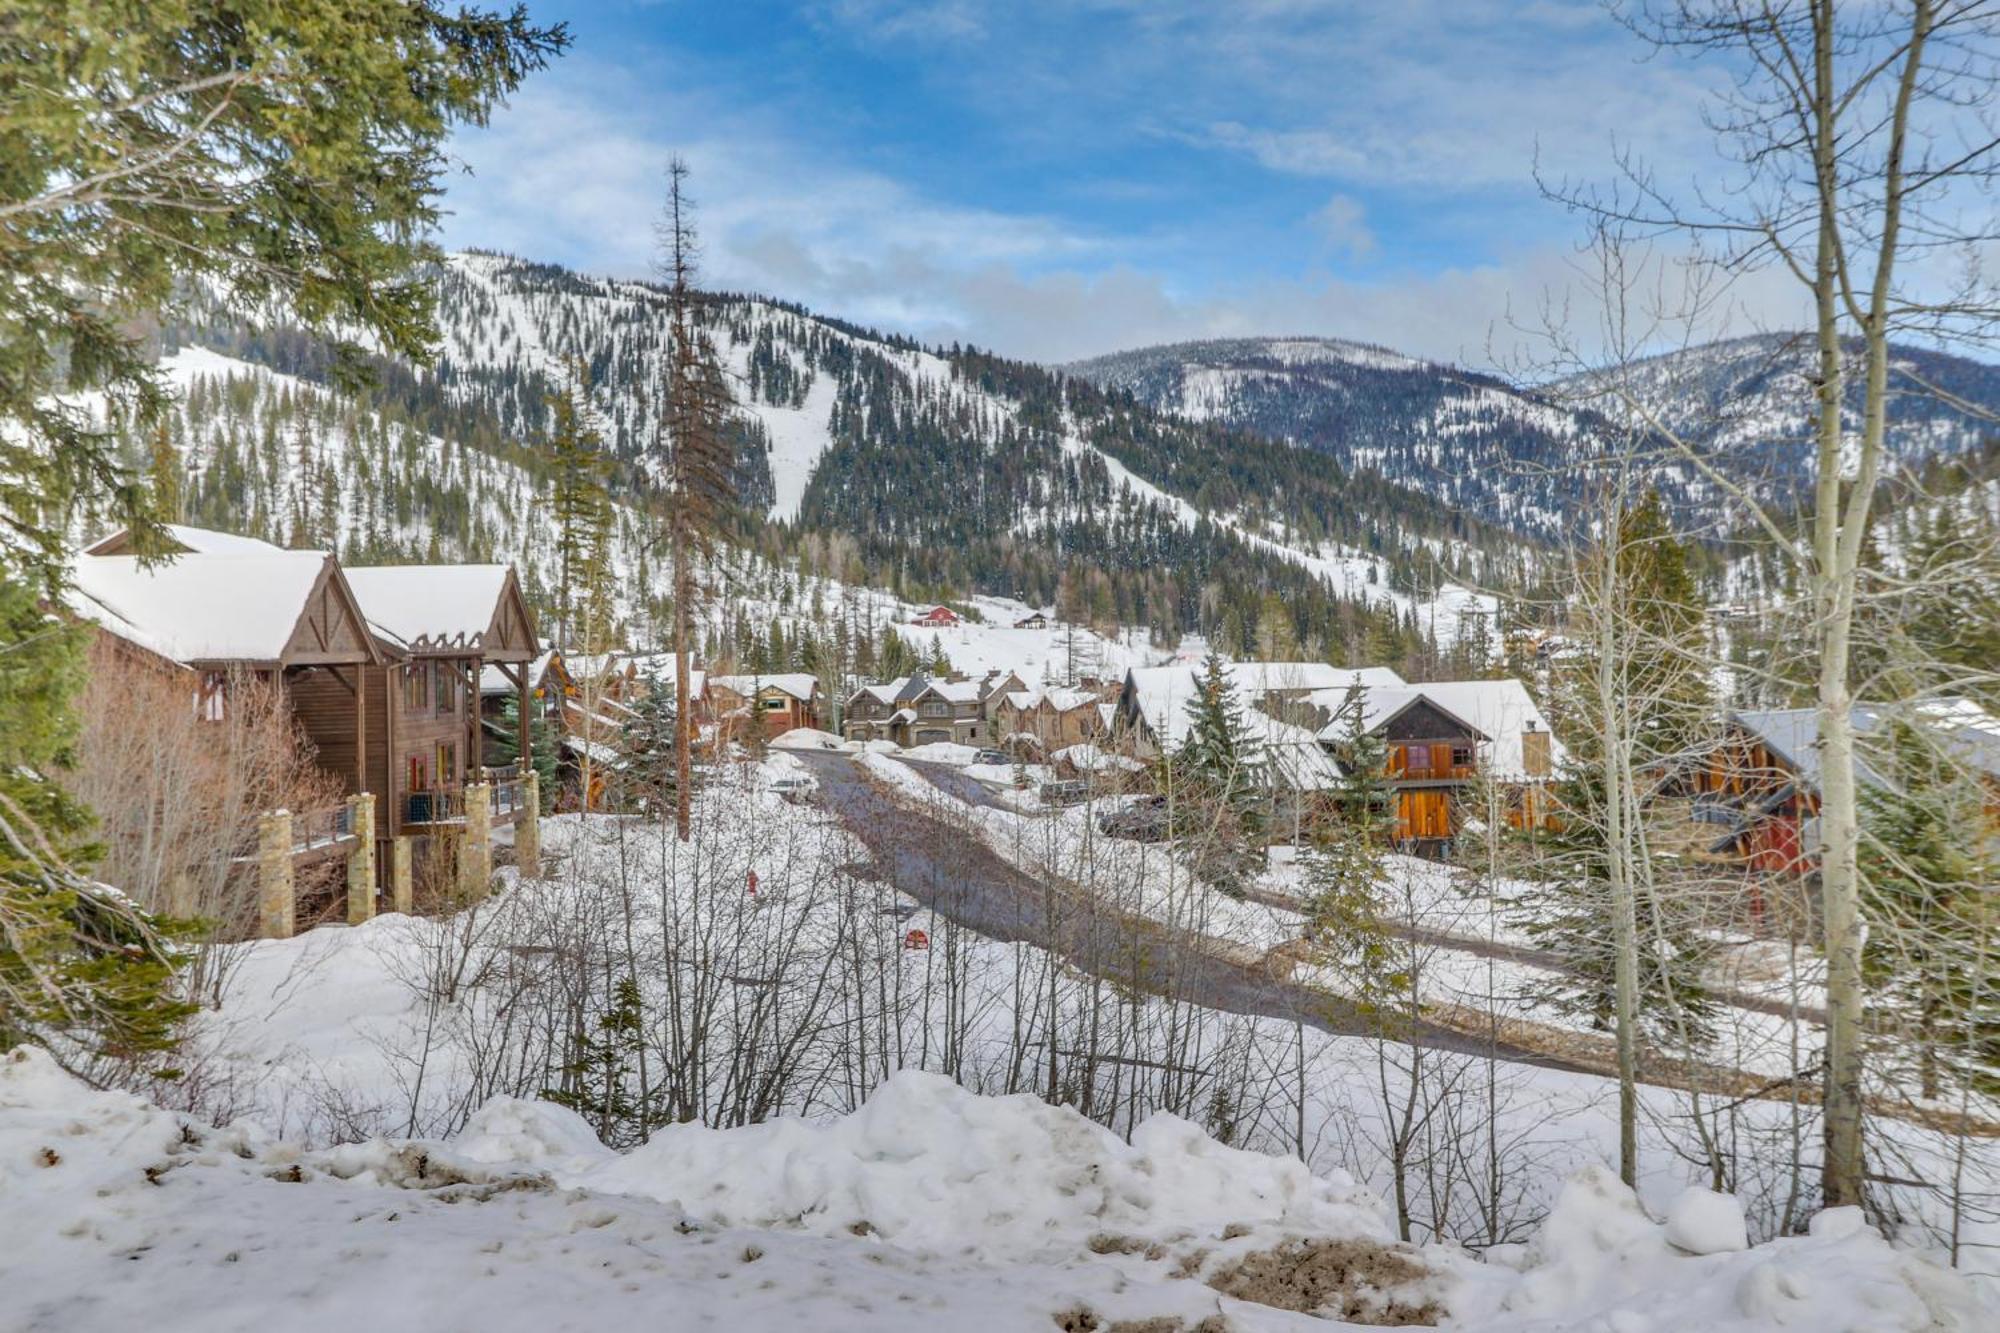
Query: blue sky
x,y
1058,179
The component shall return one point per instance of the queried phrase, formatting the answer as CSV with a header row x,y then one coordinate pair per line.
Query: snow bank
x,y
806,738
1088,758
929,1207
931,1167
1601,1262
942,752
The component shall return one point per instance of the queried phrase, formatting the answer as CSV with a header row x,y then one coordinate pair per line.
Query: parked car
x,y
992,757
797,790
1070,792
1142,820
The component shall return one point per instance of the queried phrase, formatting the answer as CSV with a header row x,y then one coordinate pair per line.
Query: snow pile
x,y
942,752
928,1206
806,738
1601,1262
928,1166
1088,758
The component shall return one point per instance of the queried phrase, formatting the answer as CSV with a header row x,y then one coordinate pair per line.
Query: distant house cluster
x,y
923,709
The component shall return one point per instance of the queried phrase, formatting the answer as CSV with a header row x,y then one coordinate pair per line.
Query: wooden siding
x,y
1423,813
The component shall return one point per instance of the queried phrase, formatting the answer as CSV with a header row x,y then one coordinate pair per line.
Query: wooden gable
x,y
511,635
1423,720
330,630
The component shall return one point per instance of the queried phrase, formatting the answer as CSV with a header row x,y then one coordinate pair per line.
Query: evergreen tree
x,y
650,771
289,156
503,750
1216,777
1929,861
598,1075
580,506
1566,912
1346,865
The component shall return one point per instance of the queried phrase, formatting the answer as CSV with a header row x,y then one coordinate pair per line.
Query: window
x,y
447,687
210,699
447,764
1417,759
774,705
416,687
419,773
936,709
1461,756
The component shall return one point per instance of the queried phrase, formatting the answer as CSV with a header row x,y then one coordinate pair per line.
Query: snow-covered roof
x,y
1163,695
240,606
953,691
1253,680
197,541
1062,698
430,606
1501,710
1962,728
800,685
493,681
882,691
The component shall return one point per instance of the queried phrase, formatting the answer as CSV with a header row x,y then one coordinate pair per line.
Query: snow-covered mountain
x,y
1519,456
939,472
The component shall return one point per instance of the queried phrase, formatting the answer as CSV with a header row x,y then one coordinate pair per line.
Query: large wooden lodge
x,y
382,666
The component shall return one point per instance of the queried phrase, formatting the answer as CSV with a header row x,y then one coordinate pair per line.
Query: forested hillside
x,y
929,472
1519,457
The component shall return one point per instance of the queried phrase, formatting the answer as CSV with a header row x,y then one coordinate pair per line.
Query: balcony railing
x,y
315,829
508,794
437,806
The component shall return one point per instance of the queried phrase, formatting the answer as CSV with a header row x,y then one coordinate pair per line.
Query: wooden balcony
x,y
439,807
1435,767
444,807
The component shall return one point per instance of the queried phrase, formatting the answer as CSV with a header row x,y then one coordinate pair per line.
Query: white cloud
x,y
570,173
1343,222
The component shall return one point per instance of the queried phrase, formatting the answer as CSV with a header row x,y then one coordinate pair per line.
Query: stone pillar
x,y
361,861
402,879
528,828
277,900
475,850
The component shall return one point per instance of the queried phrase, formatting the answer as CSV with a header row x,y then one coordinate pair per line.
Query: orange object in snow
x,y
753,884
916,939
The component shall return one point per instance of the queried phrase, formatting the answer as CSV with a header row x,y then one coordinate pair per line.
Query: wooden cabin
x,y
438,629
1432,757
1759,783
1049,719
229,608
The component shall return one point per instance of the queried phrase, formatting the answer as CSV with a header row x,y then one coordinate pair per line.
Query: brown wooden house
x,y
230,608
438,628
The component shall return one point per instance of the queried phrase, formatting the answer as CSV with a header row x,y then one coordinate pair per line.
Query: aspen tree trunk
x,y
1837,539
1617,841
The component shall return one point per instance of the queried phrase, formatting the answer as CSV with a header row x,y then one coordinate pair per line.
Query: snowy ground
x,y
928,1205
1153,882
870,1195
